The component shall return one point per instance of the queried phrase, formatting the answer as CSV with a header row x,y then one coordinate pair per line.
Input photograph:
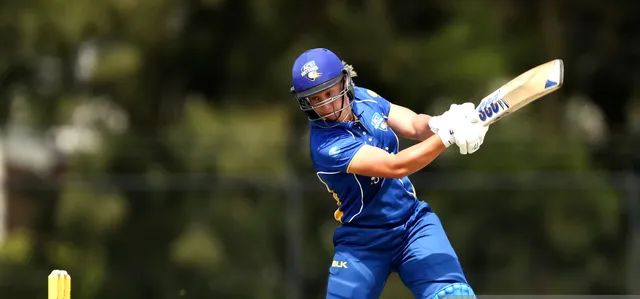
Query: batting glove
x,y
460,125
466,110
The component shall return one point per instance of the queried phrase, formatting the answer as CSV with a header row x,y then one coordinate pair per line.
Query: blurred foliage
x,y
180,158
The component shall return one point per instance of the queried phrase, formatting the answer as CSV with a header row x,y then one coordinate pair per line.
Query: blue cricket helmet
x,y
317,70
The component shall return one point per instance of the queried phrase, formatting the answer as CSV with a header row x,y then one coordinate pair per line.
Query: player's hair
x,y
349,68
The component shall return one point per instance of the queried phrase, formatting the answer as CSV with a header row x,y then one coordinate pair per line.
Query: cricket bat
x,y
522,90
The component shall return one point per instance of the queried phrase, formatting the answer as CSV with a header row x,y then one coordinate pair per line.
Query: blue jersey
x,y
362,200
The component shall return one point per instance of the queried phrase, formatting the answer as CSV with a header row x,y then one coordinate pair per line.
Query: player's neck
x,y
350,117
353,117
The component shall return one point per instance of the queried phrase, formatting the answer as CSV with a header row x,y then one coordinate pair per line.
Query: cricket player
x,y
355,152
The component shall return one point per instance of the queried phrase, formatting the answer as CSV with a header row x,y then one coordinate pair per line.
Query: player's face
x,y
325,107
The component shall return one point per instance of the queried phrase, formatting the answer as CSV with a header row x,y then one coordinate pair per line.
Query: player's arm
x,y
462,127
375,162
408,124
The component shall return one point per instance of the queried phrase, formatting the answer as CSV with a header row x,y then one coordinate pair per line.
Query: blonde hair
x,y
349,69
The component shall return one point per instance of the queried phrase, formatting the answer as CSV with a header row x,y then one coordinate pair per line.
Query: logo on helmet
x,y
310,71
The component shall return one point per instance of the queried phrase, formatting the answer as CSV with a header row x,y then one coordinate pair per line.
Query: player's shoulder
x,y
326,141
364,93
325,137
368,97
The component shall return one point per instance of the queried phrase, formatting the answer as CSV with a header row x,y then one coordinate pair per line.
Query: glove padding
x,y
455,110
469,136
460,125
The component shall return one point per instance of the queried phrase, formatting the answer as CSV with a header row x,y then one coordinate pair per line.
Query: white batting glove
x,y
469,136
455,110
461,125
446,135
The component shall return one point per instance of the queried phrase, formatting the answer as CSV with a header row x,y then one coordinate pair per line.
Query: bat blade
x,y
521,91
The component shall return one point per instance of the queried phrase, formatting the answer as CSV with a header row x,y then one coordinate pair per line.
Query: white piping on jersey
x,y
325,184
401,183
329,189
397,140
367,100
398,147
354,136
412,188
361,198
354,176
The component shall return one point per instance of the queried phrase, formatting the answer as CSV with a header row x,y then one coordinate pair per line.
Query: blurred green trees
x,y
170,150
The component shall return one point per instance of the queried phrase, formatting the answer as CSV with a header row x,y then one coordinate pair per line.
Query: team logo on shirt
x,y
378,122
310,70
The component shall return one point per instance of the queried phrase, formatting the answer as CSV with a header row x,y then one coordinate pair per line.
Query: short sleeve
x,y
335,153
384,104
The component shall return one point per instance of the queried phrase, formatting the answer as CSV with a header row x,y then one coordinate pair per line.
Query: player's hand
x,y
469,132
461,125
469,136
466,110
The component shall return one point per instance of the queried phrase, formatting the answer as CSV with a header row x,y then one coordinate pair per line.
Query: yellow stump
x,y
59,285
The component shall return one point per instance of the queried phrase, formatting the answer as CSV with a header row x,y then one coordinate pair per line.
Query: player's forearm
x,y
416,157
420,124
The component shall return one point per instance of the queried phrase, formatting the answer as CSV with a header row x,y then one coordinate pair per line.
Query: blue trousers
x,y
418,250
